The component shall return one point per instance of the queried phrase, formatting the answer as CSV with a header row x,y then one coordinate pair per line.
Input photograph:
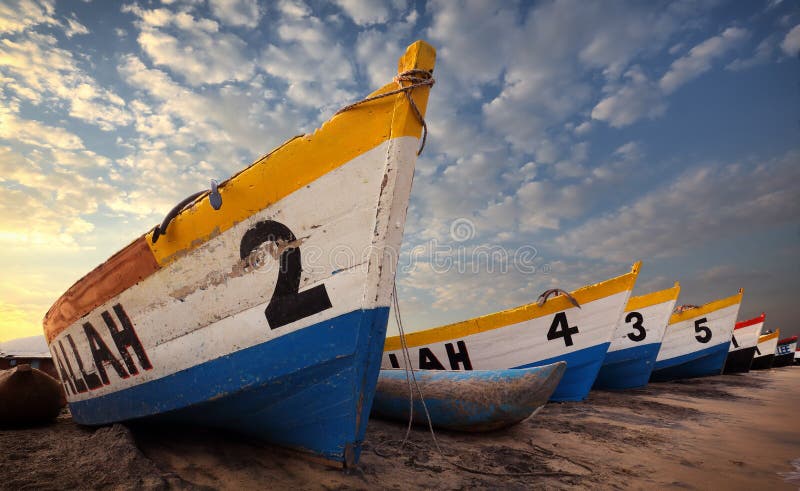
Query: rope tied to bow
x,y
415,78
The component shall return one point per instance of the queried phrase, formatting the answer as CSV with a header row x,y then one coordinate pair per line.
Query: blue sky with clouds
x,y
575,136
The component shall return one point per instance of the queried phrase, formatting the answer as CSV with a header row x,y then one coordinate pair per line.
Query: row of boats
x,y
240,311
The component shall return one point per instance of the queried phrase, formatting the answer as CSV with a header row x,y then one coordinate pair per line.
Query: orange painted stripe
x,y
122,270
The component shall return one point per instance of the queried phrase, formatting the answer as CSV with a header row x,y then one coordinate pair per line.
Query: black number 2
x,y
637,319
560,329
287,304
699,327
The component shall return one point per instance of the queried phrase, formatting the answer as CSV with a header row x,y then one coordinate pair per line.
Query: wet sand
x,y
730,431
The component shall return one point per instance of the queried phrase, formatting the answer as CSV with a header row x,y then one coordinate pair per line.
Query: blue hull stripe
x,y
628,368
311,389
697,364
582,368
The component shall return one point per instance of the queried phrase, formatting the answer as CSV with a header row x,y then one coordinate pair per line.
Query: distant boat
x,y
765,350
697,339
213,318
29,396
743,345
473,401
637,340
784,352
535,334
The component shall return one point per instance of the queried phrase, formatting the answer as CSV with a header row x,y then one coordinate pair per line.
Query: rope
x,y
409,369
557,291
411,379
416,78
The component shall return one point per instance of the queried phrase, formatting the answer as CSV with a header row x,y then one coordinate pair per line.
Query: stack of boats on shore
x,y
194,322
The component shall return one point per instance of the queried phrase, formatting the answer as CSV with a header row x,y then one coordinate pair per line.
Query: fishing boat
x,y
215,318
572,327
637,340
696,341
784,352
471,401
765,350
28,396
743,345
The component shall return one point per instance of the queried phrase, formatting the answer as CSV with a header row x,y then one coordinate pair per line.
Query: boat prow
x,y
220,316
575,328
471,401
743,345
765,350
784,352
637,339
696,341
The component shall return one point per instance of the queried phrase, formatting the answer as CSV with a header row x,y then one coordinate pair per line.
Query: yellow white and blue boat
x,y
574,328
637,340
218,317
765,350
743,345
697,339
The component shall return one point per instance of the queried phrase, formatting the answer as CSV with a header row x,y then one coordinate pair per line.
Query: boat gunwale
x,y
653,298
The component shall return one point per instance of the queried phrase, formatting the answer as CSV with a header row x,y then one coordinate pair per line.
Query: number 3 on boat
x,y
532,335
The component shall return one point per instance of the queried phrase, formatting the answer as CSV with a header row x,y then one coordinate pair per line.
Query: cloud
x,y
74,27
35,133
19,15
244,13
367,12
637,98
194,48
706,203
791,43
762,55
700,57
37,70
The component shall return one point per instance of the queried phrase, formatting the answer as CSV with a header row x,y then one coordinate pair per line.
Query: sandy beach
x,y
730,431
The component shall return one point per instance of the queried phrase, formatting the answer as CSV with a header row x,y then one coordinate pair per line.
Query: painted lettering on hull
x,y
457,356
81,377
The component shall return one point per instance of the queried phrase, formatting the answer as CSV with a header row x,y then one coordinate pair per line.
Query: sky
x,y
568,139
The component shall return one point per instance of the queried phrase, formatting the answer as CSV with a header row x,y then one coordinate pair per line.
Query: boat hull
x,y
697,340
697,364
637,341
784,353
470,401
739,361
29,396
628,369
266,390
763,362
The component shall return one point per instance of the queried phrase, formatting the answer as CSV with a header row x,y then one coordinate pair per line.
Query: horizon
x,y
572,138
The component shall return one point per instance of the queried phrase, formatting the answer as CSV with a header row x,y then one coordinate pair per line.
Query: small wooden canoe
x,y
29,396
472,401
784,352
637,339
743,345
575,328
765,350
221,316
697,339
